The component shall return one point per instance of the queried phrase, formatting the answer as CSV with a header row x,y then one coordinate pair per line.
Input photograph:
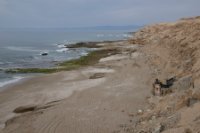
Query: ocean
x,y
22,48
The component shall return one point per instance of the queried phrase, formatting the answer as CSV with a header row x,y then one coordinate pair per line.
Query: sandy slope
x,y
173,49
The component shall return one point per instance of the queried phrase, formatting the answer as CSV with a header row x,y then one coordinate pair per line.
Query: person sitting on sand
x,y
157,87
162,89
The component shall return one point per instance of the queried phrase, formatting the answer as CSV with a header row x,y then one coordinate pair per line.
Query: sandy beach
x,y
114,95
73,101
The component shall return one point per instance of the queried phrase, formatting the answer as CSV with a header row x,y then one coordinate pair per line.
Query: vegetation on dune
x,y
90,59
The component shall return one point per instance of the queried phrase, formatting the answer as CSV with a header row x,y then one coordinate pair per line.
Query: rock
x,y
44,54
97,75
140,112
131,114
196,93
184,83
158,129
84,45
187,130
116,57
24,109
191,101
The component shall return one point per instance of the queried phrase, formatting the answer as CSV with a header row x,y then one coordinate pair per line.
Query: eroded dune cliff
x,y
180,39
172,49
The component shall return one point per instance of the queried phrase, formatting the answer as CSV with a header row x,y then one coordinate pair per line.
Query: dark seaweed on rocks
x,y
90,59
83,45
87,44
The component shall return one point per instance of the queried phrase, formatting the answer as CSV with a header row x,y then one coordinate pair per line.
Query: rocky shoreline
x,y
98,52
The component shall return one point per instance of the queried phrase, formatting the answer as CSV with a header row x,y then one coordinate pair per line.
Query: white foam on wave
x,y
14,80
61,46
62,50
127,35
84,53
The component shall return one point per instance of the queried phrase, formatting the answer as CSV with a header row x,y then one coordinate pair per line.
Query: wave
x,y
127,35
62,50
84,53
61,46
14,80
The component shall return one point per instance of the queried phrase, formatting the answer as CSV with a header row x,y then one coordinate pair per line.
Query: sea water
x,y
22,48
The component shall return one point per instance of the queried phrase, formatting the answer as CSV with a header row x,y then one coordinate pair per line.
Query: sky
x,y
89,13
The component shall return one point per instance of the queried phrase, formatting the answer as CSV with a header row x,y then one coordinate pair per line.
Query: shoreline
x,y
58,46
73,63
9,82
17,81
88,44
40,90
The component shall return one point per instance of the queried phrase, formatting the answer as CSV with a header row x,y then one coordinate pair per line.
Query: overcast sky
x,y
84,13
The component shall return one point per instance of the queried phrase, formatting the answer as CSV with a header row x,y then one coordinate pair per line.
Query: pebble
x,y
157,129
140,112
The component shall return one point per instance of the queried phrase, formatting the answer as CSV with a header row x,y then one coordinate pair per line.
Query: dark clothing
x,y
169,82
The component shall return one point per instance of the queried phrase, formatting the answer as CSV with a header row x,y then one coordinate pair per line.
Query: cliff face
x,y
179,42
172,49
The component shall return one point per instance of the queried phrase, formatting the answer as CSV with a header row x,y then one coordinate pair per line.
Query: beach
x,y
85,103
113,93
23,48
